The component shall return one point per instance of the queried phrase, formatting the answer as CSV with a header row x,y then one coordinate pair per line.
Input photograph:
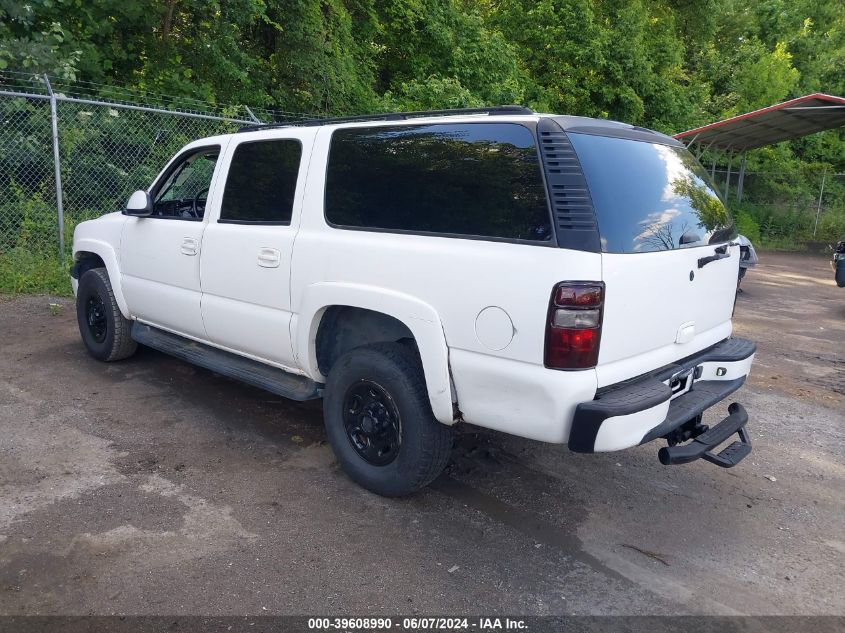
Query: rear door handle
x,y
269,258
189,246
721,253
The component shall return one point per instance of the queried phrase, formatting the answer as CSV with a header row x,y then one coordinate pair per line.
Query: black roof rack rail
x,y
392,116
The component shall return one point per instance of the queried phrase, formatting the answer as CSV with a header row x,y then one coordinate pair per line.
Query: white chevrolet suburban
x,y
564,279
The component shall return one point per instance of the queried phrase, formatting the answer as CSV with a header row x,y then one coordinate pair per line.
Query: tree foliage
x,y
665,64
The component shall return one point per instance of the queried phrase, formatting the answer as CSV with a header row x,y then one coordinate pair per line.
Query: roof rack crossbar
x,y
393,116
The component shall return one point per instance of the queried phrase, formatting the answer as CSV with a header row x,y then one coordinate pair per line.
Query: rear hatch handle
x,y
722,252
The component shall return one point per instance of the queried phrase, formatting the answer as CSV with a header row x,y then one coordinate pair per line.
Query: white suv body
x,y
509,247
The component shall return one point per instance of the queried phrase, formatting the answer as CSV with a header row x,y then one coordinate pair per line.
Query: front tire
x,y
104,330
379,420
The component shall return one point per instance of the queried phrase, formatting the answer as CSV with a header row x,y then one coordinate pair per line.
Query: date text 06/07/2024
x,y
417,624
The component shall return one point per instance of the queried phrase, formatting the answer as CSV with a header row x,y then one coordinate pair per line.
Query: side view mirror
x,y
140,204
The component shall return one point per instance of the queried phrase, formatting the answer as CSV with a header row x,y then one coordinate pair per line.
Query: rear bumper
x,y
652,406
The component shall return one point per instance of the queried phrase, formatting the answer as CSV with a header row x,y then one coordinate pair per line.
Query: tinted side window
x,y
478,179
261,182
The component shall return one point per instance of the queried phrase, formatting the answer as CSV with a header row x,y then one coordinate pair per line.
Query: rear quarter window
x,y
480,179
650,197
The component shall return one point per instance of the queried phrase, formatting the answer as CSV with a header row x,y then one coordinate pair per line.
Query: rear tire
x,y
104,330
379,420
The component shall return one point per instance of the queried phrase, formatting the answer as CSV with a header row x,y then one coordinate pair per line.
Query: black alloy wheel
x,y
105,332
379,420
95,315
372,422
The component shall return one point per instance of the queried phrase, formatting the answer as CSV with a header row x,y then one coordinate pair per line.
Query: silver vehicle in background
x,y
747,258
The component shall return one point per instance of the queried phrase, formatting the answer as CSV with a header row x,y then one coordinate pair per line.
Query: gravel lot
x,y
152,487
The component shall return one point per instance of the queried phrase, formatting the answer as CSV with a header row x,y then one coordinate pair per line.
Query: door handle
x,y
722,252
269,258
189,246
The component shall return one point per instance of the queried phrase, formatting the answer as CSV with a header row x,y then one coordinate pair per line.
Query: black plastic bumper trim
x,y
704,395
631,398
648,391
728,351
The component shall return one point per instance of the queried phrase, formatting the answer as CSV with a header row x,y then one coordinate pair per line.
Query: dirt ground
x,y
152,487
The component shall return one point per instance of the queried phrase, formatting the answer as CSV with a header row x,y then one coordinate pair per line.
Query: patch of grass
x,y
24,272
747,226
789,230
783,244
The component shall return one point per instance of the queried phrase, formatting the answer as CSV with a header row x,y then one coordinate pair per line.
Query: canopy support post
x,y
741,181
728,178
819,205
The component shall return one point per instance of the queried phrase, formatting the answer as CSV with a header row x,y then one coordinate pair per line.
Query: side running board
x,y
227,364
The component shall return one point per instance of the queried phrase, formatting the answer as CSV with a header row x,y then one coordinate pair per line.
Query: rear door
x,y
668,263
246,248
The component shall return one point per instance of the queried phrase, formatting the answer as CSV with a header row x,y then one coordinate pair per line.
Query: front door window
x,y
184,191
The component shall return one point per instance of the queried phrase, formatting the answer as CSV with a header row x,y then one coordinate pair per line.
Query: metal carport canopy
x,y
781,122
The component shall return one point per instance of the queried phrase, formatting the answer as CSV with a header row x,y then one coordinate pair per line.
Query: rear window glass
x,y
479,179
262,182
650,197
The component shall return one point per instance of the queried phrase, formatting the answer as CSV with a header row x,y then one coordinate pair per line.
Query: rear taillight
x,y
573,327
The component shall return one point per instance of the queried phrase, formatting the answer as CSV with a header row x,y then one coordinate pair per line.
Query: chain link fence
x,y
67,155
800,208
27,180
72,152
